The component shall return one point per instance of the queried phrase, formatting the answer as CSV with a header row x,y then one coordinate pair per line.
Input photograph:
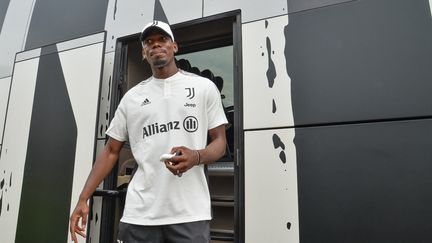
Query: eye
x,y
147,41
164,38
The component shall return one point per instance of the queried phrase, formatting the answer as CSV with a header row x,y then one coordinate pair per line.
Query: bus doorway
x,y
207,47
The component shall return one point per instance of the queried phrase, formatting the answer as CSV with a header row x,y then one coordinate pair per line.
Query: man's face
x,y
158,49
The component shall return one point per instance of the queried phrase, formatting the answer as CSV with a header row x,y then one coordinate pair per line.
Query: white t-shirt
x,y
156,115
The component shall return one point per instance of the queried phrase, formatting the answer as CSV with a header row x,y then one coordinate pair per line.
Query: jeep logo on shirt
x,y
190,124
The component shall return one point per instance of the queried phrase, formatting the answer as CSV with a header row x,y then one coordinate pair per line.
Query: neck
x,y
165,71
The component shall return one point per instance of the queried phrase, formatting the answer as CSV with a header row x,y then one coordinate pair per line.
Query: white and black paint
x,y
105,95
13,33
248,8
4,97
16,135
4,185
57,21
50,158
277,143
370,181
359,61
266,84
365,179
351,62
271,208
430,6
271,70
3,8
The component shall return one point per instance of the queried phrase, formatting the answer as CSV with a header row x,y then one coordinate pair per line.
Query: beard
x,y
160,63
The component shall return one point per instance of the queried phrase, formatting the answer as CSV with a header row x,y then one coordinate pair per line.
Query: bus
x,y
328,101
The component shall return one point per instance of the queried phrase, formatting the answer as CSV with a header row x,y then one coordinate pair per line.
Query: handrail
x,y
222,235
109,193
221,168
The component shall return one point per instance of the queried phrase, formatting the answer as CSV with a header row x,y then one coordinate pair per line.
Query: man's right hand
x,y
104,163
81,211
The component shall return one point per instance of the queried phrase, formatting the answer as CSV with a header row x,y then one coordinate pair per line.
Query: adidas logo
x,y
145,102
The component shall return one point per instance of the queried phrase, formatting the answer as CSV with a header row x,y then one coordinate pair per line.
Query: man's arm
x,y
189,158
101,168
216,148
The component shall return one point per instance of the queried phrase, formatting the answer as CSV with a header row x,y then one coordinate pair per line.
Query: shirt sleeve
x,y
118,126
215,112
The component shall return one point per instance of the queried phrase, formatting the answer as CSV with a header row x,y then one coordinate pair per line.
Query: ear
x,y
175,47
143,54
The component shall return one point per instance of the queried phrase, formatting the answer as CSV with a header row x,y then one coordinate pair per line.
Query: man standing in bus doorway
x,y
171,112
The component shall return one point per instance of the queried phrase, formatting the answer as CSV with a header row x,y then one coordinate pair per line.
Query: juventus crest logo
x,y
191,93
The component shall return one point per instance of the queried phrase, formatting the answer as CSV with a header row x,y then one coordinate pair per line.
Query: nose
x,y
155,44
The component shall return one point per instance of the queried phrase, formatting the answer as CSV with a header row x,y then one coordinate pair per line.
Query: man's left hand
x,y
182,162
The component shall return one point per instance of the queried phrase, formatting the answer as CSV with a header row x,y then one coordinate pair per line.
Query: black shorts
x,y
193,232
